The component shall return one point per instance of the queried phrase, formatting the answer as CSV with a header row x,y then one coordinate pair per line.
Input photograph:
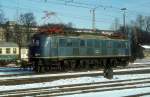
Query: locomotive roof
x,y
94,36
7,44
83,36
90,37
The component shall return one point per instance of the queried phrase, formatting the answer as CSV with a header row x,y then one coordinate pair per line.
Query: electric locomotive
x,y
64,52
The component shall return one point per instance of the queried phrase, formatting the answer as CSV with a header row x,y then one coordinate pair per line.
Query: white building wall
x,y
24,53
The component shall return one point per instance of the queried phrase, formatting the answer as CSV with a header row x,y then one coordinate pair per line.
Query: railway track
x,y
79,88
36,78
16,71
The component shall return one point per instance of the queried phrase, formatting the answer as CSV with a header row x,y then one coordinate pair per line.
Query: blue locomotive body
x,y
61,47
77,51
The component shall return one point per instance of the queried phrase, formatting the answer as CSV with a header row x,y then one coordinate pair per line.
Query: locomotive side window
x,y
69,42
126,44
7,50
122,45
54,42
62,42
75,42
90,43
33,41
97,43
119,45
82,43
109,45
37,42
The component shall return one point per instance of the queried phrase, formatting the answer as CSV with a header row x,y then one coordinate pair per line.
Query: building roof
x,y
7,44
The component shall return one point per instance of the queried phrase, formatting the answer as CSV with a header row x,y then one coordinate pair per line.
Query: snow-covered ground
x,y
145,61
114,93
70,81
79,80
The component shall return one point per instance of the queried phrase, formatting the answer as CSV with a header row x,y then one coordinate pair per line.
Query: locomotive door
x,y
104,49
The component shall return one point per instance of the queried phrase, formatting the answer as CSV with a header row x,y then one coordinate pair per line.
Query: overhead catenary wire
x,y
107,7
130,13
41,10
73,4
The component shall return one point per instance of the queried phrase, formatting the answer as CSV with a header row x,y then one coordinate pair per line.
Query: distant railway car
x,y
24,54
77,52
8,52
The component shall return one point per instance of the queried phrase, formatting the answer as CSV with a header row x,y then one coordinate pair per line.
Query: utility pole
x,y
17,31
94,17
124,19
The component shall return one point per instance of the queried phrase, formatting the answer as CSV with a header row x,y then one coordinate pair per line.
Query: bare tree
x,y
147,23
2,16
27,21
140,22
4,35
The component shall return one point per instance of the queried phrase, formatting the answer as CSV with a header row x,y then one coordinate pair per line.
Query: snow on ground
x,y
79,80
113,93
146,46
146,96
144,61
69,81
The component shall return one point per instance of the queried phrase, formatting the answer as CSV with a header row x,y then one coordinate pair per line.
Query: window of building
x,y
14,50
7,50
0,50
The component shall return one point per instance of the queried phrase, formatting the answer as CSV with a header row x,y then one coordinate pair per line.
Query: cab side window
x,y
62,42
